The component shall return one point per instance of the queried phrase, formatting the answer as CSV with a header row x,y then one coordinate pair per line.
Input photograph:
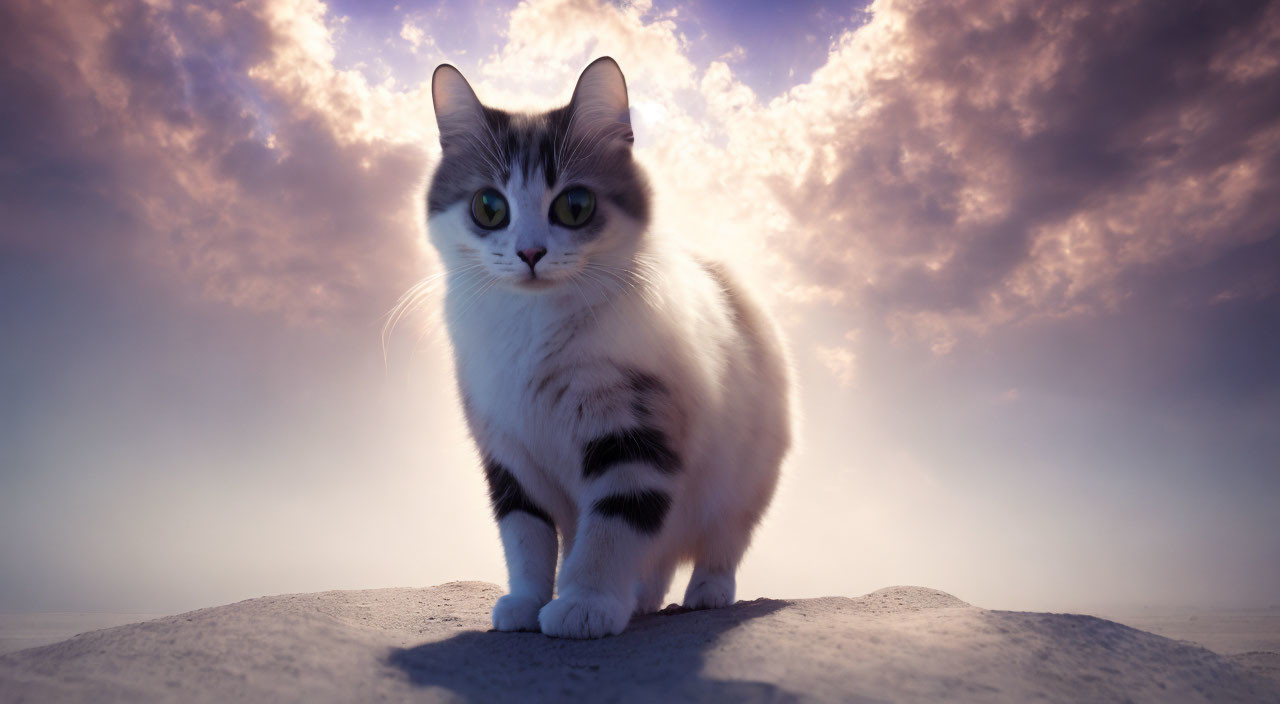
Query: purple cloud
x,y
1013,160
151,124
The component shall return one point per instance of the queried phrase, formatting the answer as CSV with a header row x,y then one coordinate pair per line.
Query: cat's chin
x,y
532,285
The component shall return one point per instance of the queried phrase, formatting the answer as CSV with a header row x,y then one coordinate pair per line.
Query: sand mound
x,y
899,644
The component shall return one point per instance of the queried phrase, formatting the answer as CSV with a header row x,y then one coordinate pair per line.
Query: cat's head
x,y
540,200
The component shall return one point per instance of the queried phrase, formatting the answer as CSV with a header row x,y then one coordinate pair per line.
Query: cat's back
x,y
758,367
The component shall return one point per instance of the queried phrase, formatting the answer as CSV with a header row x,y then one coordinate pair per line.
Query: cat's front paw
x,y
710,591
516,612
584,615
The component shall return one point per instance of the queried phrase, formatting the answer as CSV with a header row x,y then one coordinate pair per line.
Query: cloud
x,y
948,171
416,31
841,362
977,164
159,128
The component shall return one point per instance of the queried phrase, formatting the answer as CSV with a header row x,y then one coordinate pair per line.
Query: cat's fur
x,y
629,396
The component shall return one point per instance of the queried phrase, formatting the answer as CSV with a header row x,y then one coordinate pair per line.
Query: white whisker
x,y
409,301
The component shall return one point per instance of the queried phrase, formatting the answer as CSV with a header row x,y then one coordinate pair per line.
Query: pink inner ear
x,y
453,97
600,102
602,84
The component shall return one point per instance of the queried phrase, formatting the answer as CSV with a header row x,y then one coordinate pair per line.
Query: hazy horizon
x,y
1026,258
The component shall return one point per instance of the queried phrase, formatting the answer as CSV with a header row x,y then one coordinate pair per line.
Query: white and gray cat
x,y
627,398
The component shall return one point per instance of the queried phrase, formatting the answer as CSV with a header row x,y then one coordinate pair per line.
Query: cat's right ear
x,y
458,110
600,107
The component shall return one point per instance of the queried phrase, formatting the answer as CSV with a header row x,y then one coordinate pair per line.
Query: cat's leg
x,y
725,538
710,587
530,547
629,471
529,543
653,585
713,582
623,515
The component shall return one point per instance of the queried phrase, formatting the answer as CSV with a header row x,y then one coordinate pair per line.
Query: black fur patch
x,y
560,392
643,510
645,388
645,445
506,494
643,383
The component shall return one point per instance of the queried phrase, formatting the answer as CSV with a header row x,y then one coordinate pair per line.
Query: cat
x,y
630,401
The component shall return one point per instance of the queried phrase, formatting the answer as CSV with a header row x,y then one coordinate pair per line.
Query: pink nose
x,y
531,255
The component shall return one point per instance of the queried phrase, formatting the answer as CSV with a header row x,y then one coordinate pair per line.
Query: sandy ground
x,y
897,644
1249,637
1226,631
22,631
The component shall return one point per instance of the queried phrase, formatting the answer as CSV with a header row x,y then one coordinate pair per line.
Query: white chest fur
x,y
541,375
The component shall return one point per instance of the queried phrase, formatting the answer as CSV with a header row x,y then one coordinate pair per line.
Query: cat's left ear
x,y
458,110
599,105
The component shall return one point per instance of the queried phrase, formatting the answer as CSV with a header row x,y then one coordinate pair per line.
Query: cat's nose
x,y
531,255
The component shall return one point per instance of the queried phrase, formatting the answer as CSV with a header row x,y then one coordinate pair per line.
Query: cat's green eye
x,y
489,209
574,207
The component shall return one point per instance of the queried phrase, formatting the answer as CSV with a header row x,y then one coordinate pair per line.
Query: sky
x,y
1026,255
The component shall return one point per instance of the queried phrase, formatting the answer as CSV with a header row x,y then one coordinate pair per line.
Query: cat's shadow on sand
x,y
659,658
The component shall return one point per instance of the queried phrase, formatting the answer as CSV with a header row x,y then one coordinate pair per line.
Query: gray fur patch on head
x,y
588,140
